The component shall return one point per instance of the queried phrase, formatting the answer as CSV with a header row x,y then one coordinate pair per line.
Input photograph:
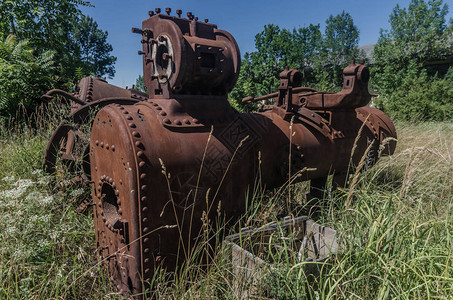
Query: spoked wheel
x,y
66,155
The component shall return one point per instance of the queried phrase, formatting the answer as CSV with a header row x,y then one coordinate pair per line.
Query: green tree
x,y
275,49
339,47
92,48
306,44
24,77
57,25
273,46
140,84
418,36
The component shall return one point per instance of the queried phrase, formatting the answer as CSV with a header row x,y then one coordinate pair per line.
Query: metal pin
x,y
137,30
179,12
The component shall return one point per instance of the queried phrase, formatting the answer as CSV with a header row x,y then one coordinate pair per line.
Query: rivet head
x,y
143,176
139,144
162,113
167,121
141,164
159,108
185,121
141,154
118,202
146,250
129,118
146,270
120,211
97,143
146,260
113,148
178,122
145,220
145,230
145,209
132,125
146,240
107,146
196,121
102,144
136,134
117,193
110,180
144,187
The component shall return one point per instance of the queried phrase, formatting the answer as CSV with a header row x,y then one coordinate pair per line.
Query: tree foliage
x,y
320,57
339,47
79,48
23,76
140,84
419,36
93,48
59,26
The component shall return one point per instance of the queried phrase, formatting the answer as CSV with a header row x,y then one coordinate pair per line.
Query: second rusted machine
x,y
162,165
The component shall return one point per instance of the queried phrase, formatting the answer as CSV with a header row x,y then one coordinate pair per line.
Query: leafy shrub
x,y
24,77
419,96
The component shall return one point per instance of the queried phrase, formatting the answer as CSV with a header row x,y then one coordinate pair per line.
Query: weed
x,y
395,222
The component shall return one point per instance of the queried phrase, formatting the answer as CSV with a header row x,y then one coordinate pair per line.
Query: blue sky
x,y
242,18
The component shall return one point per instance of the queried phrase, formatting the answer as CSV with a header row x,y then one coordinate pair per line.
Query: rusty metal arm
x,y
49,94
273,95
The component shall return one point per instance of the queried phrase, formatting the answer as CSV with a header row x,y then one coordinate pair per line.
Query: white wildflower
x,y
21,188
44,180
77,193
8,179
37,172
46,200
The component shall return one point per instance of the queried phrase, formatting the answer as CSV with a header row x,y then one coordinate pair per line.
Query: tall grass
x,y
395,232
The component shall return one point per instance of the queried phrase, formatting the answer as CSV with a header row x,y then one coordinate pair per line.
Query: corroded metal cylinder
x,y
163,166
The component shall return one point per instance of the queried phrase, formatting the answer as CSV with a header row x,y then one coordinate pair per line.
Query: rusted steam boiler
x,y
159,165
67,150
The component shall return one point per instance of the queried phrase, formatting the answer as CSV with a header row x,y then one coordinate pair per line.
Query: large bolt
x,y
157,10
168,10
137,30
179,12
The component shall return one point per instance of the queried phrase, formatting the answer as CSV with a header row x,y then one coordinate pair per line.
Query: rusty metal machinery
x,y
162,164
67,149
